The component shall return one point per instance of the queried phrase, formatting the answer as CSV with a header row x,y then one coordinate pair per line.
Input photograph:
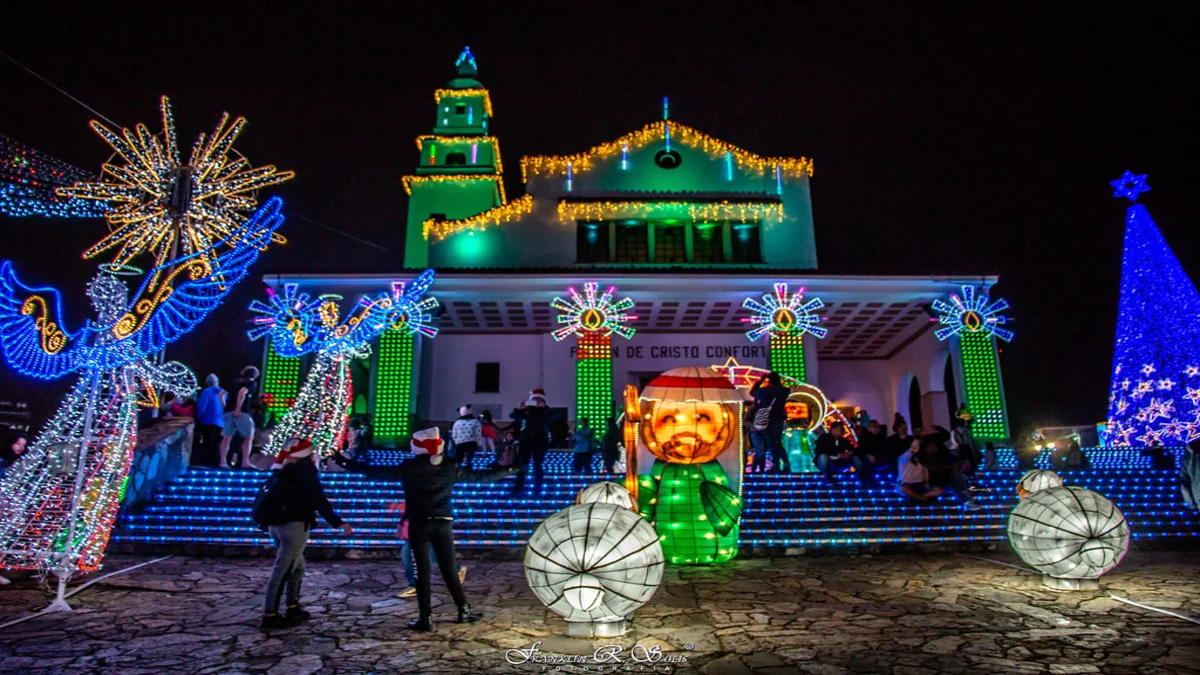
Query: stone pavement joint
x,y
912,614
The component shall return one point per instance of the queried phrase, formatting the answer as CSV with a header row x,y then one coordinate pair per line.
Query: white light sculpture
x,y
1037,479
594,564
606,492
1070,535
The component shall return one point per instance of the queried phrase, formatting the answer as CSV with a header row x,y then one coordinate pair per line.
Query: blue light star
x,y
1130,186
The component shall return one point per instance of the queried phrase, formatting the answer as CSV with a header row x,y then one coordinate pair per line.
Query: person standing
x,y
610,445
534,417
428,478
286,508
14,447
408,562
237,417
467,434
210,421
585,446
489,431
769,393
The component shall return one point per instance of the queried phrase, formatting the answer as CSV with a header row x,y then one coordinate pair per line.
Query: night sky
x,y
945,138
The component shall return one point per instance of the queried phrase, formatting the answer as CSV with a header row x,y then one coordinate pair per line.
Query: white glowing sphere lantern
x,y
1037,479
594,564
607,492
1070,535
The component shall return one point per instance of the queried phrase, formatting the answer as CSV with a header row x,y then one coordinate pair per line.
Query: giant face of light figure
x,y
687,433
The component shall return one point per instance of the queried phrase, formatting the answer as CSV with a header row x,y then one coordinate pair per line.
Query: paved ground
x,y
898,614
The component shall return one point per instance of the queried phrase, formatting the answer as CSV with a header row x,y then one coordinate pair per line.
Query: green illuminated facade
x,y
685,224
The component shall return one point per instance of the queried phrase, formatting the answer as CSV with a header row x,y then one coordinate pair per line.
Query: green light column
x,y
787,354
393,386
593,379
984,389
281,382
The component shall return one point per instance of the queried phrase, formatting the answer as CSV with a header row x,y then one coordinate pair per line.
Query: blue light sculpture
x,y
296,325
972,313
1155,394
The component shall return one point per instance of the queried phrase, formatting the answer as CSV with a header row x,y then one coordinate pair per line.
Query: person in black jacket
x,y
287,508
769,393
427,479
833,451
610,446
534,417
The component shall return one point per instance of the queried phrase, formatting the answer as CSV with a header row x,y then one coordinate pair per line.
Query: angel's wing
x,y
32,335
178,296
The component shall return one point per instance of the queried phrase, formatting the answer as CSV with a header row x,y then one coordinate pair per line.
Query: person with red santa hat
x,y
428,477
534,417
286,507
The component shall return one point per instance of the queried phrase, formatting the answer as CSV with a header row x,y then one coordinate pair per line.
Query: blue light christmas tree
x,y
1155,394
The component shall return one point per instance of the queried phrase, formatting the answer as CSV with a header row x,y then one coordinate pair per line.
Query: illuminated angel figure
x,y
588,313
60,501
298,325
164,207
971,314
781,313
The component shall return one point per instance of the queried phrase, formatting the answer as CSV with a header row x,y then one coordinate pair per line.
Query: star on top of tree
x,y
1130,186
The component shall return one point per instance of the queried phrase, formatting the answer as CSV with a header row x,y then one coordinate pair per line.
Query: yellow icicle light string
x,y
464,140
447,178
697,211
654,132
440,229
463,93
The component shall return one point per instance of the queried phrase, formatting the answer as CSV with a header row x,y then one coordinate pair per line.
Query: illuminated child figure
x,y
691,422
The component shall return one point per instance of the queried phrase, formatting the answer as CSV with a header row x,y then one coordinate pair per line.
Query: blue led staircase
x,y
209,507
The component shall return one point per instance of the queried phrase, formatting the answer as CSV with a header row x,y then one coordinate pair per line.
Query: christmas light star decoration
x,y
589,313
164,207
296,325
1157,335
783,313
972,313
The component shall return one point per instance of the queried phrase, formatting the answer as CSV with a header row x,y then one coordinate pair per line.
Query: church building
x,y
665,247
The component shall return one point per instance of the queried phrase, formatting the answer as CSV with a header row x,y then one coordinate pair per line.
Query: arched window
x,y
456,159
914,406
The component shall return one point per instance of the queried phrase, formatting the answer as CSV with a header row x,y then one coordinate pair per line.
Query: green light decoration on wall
x,y
281,382
981,374
787,355
786,318
976,320
593,319
393,386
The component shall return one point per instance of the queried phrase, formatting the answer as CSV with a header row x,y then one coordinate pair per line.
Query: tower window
x,y
747,243
670,244
487,378
592,243
632,243
460,109
456,159
706,243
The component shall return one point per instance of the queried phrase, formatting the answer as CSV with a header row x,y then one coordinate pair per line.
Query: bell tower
x,y
458,172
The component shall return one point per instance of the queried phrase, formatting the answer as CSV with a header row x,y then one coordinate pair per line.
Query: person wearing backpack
x,y
286,508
